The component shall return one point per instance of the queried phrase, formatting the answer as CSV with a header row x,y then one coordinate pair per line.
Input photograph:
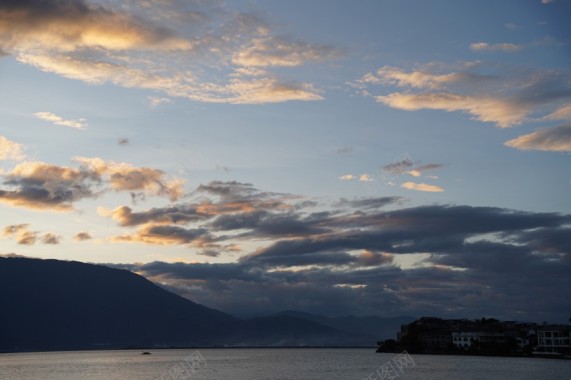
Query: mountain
x,y
61,305
376,327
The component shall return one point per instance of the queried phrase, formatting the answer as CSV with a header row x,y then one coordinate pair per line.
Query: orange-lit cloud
x,y
421,187
58,120
136,46
486,109
496,94
268,51
69,25
369,258
126,177
166,235
41,186
557,139
10,150
24,236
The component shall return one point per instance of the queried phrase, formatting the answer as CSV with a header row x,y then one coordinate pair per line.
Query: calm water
x,y
274,364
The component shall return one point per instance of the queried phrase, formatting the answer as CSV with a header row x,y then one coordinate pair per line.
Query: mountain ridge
x,y
69,305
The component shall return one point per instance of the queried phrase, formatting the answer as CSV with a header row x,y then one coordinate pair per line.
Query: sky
x,y
343,158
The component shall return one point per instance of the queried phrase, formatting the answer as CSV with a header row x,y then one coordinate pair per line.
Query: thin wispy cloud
x,y
556,139
503,47
58,120
497,94
155,101
422,187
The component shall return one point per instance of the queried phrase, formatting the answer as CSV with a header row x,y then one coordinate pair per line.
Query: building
x,y
553,339
465,339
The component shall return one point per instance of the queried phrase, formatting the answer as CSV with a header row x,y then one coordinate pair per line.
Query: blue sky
x,y
259,149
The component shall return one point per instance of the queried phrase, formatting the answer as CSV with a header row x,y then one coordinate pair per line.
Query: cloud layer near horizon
x,y
367,255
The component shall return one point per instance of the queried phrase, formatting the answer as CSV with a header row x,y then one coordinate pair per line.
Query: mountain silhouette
x,y
68,305
376,327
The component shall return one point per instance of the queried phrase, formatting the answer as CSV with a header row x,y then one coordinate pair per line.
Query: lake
x,y
274,364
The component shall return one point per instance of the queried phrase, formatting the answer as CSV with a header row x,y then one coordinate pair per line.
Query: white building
x,y
465,339
554,339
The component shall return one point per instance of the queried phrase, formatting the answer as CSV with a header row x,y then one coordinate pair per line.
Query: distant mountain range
x,y
376,327
61,305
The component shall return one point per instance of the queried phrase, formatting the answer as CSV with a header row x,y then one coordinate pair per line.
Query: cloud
x,y
562,113
503,47
279,51
14,229
71,25
58,120
368,203
421,187
482,260
222,206
186,49
166,235
82,236
42,186
418,170
556,139
497,94
179,214
39,185
126,177
155,101
486,109
399,165
24,236
10,150
347,177
417,79
50,238
365,178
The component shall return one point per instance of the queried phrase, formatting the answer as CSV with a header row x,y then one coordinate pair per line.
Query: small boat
x,y
145,353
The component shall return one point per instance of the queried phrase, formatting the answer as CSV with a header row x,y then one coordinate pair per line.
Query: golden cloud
x,y
421,187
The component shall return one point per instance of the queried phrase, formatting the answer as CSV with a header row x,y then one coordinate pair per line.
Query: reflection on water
x,y
274,364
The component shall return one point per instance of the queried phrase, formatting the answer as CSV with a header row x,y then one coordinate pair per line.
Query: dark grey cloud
x,y
349,256
369,203
488,286
51,238
177,214
166,235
